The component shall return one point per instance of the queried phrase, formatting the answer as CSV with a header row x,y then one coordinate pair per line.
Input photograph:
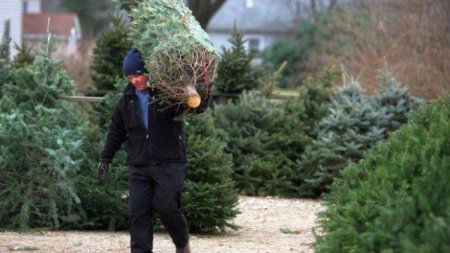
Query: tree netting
x,y
177,51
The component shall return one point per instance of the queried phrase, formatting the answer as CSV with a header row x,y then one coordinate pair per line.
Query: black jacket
x,y
163,141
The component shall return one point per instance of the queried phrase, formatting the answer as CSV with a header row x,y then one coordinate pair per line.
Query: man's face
x,y
138,81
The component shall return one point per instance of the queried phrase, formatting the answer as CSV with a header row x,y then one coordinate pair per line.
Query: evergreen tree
x,y
394,100
250,125
396,198
353,125
6,41
106,205
4,56
24,56
111,47
40,153
302,113
350,127
209,197
235,72
266,138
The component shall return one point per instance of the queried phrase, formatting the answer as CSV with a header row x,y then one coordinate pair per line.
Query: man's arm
x,y
116,134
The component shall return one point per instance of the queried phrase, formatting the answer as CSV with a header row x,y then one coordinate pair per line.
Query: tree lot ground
x,y
268,224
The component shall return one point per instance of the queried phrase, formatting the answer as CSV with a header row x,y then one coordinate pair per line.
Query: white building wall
x,y
12,10
33,6
221,39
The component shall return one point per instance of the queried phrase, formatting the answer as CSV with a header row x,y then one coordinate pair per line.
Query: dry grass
x,y
78,65
411,37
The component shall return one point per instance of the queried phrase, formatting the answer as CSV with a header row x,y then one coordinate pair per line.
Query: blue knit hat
x,y
133,63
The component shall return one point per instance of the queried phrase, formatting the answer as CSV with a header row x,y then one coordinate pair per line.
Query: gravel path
x,y
268,224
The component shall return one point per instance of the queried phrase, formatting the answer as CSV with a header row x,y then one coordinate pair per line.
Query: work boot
x,y
185,249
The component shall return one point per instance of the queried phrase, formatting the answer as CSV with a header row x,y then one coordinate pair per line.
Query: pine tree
x,y
40,153
394,100
6,41
235,72
209,197
251,125
4,56
302,113
396,198
111,47
24,56
106,205
350,127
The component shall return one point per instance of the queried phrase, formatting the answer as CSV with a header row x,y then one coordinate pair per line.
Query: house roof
x,y
265,16
60,23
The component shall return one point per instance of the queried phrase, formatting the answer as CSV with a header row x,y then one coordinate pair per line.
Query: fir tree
x,y
209,197
235,72
396,198
6,41
111,47
251,124
4,56
24,56
394,100
304,112
350,127
106,205
40,153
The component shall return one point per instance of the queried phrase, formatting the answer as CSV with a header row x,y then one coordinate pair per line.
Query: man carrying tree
x,y
156,150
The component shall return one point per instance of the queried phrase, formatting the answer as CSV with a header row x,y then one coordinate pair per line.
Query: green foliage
x,y
395,100
235,72
40,83
266,138
296,52
176,51
209,197
354,123
88,12
250,124
350,128
4,56
106,205
41,138
6,41
111,47
24,56
396,198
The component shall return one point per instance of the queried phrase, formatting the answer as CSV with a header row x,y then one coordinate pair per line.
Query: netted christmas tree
x,y
396,198
40,153
209,197
351,126
111,47
177,52
235,72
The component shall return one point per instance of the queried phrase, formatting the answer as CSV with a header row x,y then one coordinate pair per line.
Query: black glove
x,y
102,171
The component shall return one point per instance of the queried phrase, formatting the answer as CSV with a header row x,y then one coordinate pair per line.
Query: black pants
x,y
157,189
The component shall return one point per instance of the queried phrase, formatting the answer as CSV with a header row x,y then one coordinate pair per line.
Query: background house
x,y
29,24
263,21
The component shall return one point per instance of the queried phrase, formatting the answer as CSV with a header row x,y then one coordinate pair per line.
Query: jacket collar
x,y
129,90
